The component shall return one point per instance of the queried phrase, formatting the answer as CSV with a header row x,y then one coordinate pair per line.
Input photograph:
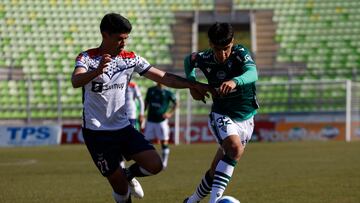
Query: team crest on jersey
x,y
208,69
221,75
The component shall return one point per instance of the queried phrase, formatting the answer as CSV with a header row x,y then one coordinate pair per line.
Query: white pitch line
x,y
19,162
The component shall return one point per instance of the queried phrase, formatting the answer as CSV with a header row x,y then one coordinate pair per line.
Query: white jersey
x,y
104,96
132,94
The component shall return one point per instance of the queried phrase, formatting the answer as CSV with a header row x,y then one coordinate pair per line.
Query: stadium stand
x,y
40,39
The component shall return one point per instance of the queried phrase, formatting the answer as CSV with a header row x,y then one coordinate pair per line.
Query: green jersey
x,y
158,101
240,104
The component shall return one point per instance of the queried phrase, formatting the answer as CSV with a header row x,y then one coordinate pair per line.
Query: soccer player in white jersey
x,y
133,94
104,73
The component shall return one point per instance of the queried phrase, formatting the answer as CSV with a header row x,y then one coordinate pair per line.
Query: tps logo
x,y
29,135
24,133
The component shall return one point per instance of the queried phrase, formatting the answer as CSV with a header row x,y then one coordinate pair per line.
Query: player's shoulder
x,y
240,49
90,53
201,55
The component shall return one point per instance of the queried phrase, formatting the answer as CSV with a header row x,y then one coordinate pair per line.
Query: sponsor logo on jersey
x,y
248,58
99,87
96,86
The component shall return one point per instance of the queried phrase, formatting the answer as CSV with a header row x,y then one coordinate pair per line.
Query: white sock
x,y
165,156
121,198
122,164
222,176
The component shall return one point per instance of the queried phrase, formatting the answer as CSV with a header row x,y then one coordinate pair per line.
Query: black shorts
x,y
107,148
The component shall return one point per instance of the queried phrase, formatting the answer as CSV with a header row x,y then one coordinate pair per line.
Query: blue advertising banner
x,y
33,135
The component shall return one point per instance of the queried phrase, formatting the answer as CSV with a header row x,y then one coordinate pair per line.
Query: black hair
x,y
221,34
115,23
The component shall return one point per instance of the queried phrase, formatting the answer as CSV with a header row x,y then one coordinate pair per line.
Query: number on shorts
x,y
223,121
103,166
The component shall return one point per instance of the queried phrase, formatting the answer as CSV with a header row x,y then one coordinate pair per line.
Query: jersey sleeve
x,y
189,67
250,74
80,61
142,65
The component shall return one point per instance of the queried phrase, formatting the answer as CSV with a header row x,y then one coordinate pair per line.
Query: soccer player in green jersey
x,y
160,104
231,71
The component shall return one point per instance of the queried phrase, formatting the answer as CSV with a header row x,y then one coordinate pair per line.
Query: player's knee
x,y
156,167
235,151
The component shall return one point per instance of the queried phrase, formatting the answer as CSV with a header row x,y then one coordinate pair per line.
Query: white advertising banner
x,y
33,135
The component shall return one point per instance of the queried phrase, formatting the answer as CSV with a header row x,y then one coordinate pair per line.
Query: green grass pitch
x,y
289,172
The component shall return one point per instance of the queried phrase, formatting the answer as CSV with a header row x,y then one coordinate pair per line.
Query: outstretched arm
x,y
175,81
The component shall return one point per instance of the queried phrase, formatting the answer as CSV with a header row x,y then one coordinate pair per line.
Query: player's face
x,y
117,41
222,53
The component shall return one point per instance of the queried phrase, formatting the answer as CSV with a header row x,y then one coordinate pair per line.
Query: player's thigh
x,y
104,150
139,149
149,160
223,126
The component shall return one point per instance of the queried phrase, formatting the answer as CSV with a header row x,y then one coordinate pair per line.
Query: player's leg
x,y
104,152
204,187
233,137
119,183
225,167
163,135
147,160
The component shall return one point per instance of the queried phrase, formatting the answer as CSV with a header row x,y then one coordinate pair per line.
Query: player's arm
x,y
250,75
191,75
175,81
81,76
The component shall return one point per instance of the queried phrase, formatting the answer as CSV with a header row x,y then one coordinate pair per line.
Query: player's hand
x,y
167,115
201,91
226,87
104,62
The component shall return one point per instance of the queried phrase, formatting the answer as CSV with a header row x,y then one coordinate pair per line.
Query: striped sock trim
x,y
205,186
229,161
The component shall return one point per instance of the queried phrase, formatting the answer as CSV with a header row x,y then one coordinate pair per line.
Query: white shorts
x,y
222,126
157,130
